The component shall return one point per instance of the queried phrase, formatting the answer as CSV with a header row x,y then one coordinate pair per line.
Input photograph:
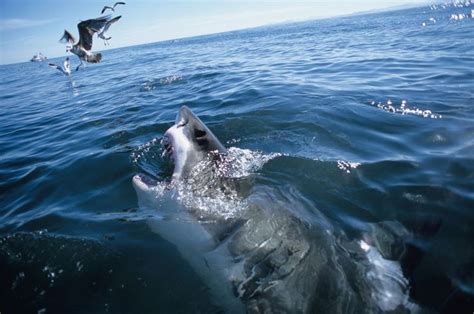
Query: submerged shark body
x,y
266,259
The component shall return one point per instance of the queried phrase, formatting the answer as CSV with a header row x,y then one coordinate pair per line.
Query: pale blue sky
x,y
30,26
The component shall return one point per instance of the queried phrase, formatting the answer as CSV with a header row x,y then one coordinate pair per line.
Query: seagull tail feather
x,y
95,58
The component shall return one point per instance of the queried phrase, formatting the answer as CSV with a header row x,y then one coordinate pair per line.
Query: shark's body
x,y
265,259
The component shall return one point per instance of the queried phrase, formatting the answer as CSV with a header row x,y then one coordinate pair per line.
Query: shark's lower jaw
x,y
143,182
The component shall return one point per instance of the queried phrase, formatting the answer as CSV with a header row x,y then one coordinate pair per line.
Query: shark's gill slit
x,y
199,133
200,136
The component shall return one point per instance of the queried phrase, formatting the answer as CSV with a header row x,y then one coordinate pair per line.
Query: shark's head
x,y
188,141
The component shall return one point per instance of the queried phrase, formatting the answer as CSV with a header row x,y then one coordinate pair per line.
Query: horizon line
x,y
357,13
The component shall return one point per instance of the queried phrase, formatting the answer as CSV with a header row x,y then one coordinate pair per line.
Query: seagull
x,y
111,8
101,33
83,47
65,69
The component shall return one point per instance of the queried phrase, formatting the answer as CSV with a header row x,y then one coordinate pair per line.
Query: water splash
x,y
214,189
243,162
152,84
234,141
405,109
346,166
75,89
142,151
455,4
457,14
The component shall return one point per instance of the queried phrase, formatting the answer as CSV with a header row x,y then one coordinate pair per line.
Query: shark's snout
x,y
184,115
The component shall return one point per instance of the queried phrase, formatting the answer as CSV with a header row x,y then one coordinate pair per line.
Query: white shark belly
x,y
196,246
214,264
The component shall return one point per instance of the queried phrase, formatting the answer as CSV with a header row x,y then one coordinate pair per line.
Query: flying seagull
x,y
101,33
83,47
65,69
111,8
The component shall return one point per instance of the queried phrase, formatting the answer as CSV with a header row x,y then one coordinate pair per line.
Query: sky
x,y
31,26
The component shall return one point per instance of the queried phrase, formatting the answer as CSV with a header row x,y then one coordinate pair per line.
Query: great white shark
x,y
266,259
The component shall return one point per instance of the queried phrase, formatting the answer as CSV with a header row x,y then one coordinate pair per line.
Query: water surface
x,y
367,118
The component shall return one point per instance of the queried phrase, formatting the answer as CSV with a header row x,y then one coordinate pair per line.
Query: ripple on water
x,y
69,150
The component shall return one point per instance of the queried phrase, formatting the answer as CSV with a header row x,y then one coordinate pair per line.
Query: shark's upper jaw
x,y
167,146
182,149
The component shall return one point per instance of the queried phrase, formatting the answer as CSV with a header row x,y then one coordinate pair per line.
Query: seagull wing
x,y
105,8
57,67
112,21
88,28
107,25
117,3
54,66
67,38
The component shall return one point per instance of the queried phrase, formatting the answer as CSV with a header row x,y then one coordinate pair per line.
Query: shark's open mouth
x,y
168,147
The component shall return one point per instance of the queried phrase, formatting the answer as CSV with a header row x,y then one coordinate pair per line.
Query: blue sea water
x,y
364,118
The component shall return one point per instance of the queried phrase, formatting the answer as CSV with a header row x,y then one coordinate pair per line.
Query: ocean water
x,y
363,119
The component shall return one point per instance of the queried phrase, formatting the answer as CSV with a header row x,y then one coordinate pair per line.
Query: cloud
x,y
10,24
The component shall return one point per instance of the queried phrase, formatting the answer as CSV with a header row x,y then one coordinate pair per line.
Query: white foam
x,y
456,4
243,162
206,189
364,246
209,189
346,166
404,109
152,84
170,79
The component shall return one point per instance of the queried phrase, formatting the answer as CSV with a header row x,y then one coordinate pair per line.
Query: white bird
x,y
111,8
83,47
65,69
102,32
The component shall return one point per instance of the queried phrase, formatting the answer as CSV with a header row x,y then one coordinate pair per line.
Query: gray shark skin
x,y
266,258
